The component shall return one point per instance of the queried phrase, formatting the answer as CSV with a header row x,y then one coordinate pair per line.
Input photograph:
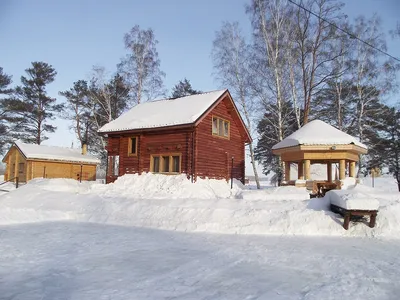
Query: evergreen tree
x,y
5,136
269,136
389,148
183,88
79,111
33,104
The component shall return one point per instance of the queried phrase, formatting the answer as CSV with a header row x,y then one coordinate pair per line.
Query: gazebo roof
x,y
316,133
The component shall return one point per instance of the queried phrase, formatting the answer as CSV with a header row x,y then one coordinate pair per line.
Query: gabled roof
x,y
164,113
34,151
318,132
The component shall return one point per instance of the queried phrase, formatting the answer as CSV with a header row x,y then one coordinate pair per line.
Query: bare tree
x,y
231,58
313,38
79,110
372,76
270,21
108,99
141,66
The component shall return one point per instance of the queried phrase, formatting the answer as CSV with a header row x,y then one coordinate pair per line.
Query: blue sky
x,y
74,35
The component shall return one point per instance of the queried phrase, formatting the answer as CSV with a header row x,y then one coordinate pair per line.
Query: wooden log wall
x,y
214,153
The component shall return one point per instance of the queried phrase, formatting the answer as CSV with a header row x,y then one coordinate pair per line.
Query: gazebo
x,y
319,143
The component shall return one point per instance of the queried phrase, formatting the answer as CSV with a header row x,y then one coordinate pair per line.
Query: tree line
x,y
27,110
307,60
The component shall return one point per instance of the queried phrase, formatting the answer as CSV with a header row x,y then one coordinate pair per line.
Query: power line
x,y
344,31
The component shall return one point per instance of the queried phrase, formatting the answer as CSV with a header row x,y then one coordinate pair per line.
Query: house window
x,y
156,164
132,146
220,127
165,163
113,165
21,168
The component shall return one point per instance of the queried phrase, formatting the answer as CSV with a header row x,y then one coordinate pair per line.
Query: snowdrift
x,y
174,203
157,186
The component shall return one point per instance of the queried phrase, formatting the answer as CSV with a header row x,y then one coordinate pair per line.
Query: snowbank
x,y
157,186
174,203
353,198
277,194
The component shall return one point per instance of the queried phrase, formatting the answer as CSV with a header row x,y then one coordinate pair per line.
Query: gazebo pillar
x,y
342,169
307,164
352,169
300,170
287,170
329,171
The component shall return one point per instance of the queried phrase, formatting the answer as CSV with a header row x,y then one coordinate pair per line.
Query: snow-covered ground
x,y
174,203
162,237
69,260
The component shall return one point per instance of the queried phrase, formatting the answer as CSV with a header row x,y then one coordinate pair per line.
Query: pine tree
x,y
389,148
5,136
183,88
33,104
79,111
269,136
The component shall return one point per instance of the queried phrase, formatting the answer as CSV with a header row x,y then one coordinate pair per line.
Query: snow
x,y
318,132
68,260
167,112
162,237
209,205
157,186
33,151
353,198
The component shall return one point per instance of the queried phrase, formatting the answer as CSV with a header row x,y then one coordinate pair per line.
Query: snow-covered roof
x,y
162,113
318,132
34,151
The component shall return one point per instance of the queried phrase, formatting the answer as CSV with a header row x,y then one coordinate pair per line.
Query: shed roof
x,y
34,151
164,113
318,132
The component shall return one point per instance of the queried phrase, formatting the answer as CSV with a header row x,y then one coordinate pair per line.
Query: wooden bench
x,y
347,214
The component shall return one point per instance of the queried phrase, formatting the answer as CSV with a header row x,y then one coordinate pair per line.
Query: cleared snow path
x,y
71,260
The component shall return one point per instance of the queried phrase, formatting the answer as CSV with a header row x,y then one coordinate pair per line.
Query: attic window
x,y
220,127
132,146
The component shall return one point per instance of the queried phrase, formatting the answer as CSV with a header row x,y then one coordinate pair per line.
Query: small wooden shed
x,y
28,161
319,143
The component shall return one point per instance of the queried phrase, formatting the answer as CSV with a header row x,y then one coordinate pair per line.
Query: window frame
x,y
130,153
21,168
113,165
161,163
224,121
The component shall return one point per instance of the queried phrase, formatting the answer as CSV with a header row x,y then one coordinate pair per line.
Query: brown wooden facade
x,y
200,151
17,165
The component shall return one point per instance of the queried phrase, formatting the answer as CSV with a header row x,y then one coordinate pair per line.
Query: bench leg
x,y
372,220
346,220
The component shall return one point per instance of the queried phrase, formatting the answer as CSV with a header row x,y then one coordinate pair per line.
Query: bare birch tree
x,y
271,35
373,76
141,66
313,38
231,59
108,99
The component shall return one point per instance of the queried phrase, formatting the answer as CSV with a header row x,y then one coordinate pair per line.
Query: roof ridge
x,y
172,99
